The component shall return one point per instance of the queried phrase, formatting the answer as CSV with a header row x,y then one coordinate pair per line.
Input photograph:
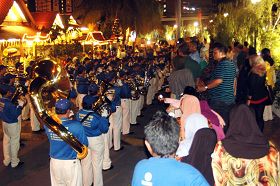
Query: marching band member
x,y
125,104
116,117
94,125
65,168
9,113
82,85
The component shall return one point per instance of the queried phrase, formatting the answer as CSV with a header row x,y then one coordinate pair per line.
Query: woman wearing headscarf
x,y
245,157
200,152
215,120
257,91
193,123
190,104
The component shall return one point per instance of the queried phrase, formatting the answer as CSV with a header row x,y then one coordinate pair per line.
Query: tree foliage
x,y
248,22
142,15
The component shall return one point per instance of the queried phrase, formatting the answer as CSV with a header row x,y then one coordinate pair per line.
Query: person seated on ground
x,y
193,123
245,157
200,152
162,140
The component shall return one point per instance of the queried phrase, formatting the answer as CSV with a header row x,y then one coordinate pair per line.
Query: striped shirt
x,y
224,92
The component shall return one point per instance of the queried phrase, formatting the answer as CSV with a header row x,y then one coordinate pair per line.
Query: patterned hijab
x,y
244,138
193,123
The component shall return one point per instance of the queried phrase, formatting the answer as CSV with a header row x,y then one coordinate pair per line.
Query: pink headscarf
x,y
189,105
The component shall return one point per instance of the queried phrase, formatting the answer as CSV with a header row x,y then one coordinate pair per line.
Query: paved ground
x,y
35,155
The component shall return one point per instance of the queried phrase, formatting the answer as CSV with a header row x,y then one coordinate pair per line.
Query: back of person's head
x,y
162,134
267,56
258,65
252,51
62,106
219,46
191,91
246,44
184,49
235,44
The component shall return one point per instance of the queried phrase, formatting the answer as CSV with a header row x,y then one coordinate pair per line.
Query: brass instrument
x,y
134,88
103,103
50,82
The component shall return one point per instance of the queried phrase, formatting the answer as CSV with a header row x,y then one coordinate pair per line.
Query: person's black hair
x,y
265,52
162,133
266,56
191,91
246,44
60,111
3,92
184,49
252,51
86,106
220,47
236,43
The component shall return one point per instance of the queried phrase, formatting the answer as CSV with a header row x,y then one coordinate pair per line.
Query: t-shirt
x,y
166,172
224,92
59,149
193,66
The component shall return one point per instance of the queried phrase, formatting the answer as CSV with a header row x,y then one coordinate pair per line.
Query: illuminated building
x,y
61,6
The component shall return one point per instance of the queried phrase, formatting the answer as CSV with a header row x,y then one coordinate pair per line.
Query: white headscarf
x,y
194,122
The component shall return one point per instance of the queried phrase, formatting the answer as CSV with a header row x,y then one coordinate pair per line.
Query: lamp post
x,y
195,24
179,19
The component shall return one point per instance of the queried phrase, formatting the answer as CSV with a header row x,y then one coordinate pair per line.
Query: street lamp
x,y
195,24
226,14
255,1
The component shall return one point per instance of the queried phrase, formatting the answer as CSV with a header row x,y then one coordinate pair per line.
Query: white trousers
x,y
106,160
79,100
92,164
35,124
151,91
267,114
125,104
115,128
25,112
66,172
133,111
141,104
11,138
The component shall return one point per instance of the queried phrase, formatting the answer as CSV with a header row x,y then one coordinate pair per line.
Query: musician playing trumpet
x,y
9,114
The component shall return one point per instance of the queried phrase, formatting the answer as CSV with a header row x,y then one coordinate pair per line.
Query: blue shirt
x,y
125,91
59,149
166,172
117,97
9,112
82,85
94,125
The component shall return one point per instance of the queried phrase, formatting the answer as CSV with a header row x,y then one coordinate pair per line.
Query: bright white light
x,y
148,42
193,8
211,21
195,24
175,26
255,1
226,14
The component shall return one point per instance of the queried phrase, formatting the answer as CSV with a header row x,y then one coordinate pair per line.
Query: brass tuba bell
x,y
50,82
